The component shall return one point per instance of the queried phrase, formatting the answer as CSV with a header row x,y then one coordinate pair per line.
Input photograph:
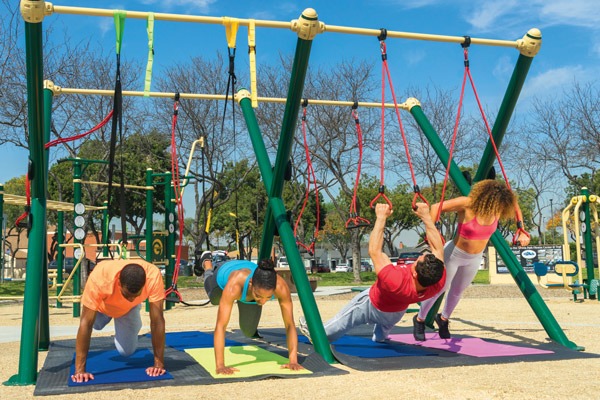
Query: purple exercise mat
x,y
469,346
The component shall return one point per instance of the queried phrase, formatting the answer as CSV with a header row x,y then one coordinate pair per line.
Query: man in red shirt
x,y
116,289
396,286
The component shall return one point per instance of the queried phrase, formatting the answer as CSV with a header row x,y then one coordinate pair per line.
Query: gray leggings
x,y
249,313
361,311
461,268
127,328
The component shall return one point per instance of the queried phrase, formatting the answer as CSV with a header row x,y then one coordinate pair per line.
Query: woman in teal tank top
x,y
250,286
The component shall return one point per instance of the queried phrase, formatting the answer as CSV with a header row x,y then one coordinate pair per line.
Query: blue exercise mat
x,y
193,340
364,347
111,367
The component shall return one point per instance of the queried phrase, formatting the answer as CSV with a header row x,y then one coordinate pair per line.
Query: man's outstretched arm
x,y
433,235
379,258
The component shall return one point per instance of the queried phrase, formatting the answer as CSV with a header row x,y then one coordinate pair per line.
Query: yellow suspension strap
x,y
150,31
252,60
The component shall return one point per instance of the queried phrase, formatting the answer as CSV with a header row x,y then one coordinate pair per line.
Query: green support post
x,y
170,227
587,235
273,181
149,214
44,342
533,42
28,355
105,228
77,173
60,254
519,275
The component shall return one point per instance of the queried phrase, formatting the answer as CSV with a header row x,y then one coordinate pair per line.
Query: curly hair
x,y
491,198
265,276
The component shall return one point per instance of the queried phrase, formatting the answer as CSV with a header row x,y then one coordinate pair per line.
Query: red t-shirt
x,y
394,289
103,289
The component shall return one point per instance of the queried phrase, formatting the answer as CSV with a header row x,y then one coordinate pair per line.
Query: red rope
x,y
520,231
310,173
455,133
178,200
81,135
385,71
28,199
355,220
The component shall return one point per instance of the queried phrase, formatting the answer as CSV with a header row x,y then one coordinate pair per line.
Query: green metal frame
x,y
516,270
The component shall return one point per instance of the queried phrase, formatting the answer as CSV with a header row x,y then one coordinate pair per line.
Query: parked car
x,y
69,264
343,268
408,257
365,266
320,268
282,262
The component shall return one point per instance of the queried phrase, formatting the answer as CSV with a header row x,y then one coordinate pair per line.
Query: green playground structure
x,y
307,27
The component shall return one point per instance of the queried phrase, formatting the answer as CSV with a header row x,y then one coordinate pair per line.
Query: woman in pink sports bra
x,y
478,216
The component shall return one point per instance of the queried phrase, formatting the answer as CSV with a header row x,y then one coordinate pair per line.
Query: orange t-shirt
x,y
103,289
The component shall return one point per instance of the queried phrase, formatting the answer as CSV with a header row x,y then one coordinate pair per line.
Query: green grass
x,y
12,288
343,278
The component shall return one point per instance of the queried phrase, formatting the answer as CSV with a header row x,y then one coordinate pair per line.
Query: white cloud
x,y
584,13
414,57
554,81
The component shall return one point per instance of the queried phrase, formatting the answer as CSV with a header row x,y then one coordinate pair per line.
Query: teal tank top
x,y
228,267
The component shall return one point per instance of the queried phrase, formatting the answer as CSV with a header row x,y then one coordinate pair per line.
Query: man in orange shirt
x,y
116,289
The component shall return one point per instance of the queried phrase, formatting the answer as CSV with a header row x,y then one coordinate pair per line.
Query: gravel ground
x,y
488,312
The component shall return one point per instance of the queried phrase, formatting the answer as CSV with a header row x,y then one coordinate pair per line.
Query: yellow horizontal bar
x,y
278,24
420,36
115,184
102,92
50,204
98,12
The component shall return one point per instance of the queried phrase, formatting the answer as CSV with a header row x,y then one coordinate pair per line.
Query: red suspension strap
x,y
178,199
520,231
310,177
465,46
18,221
81,135
356,221
385,71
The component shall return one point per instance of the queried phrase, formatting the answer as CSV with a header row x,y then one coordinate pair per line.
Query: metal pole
x,y
587,233
28,355
552,218
273,181
77,172
508,105
60,251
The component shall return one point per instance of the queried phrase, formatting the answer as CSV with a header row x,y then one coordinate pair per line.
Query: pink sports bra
x,y
472,230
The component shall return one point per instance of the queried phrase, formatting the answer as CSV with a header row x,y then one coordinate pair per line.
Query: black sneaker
x,y
199,264
418,329
442,324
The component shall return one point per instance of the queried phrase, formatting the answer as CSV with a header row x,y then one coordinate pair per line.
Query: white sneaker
x,y
303,326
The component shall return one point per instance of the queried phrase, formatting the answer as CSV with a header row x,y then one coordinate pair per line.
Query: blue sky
x,y
570,47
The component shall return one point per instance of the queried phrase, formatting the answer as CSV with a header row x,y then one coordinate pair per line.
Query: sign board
x,y
527,255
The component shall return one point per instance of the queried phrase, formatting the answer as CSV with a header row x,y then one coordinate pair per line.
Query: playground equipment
x,y
307,26
576,215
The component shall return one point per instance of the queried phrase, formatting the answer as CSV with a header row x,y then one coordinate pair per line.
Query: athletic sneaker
x,y
303,326
199,264
418,329
442,324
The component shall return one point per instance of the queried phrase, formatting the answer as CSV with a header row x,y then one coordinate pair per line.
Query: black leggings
x,y
249,313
